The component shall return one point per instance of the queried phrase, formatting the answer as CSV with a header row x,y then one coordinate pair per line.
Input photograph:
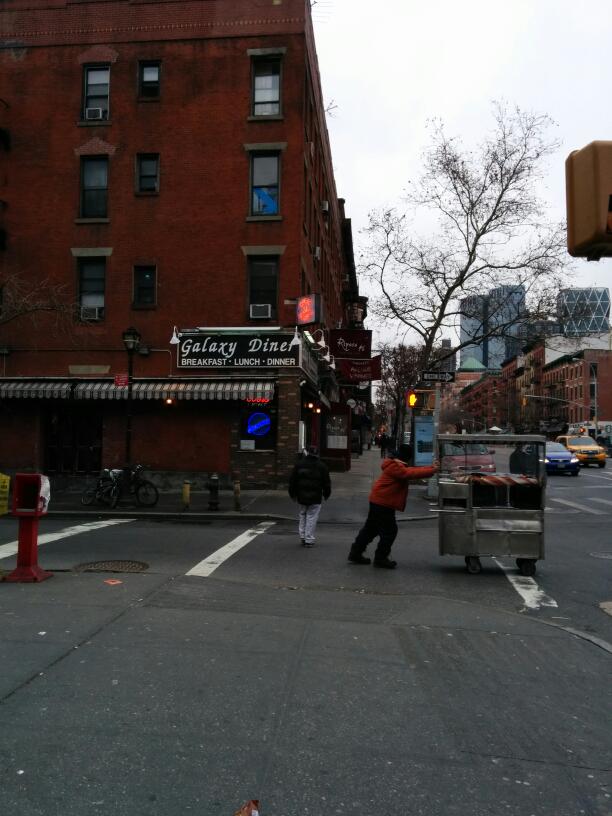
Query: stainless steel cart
x,y
492,493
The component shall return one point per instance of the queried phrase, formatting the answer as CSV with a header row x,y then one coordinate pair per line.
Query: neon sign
x,y
259,424
257,400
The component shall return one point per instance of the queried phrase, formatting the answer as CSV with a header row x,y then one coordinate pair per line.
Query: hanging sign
x,y
354,344
121,380
308,310
358,371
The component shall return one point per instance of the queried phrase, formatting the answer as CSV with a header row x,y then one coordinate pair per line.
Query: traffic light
x,y
419,398
412,399
588,187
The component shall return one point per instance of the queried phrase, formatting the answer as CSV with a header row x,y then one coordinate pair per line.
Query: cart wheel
x,y
527,566
472,562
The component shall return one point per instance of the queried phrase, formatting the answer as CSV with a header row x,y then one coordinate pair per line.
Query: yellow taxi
x,y
585,449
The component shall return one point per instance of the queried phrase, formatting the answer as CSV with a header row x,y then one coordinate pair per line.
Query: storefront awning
x,y
37,389
205,390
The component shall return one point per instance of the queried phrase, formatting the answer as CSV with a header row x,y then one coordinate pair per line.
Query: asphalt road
x,y
276,672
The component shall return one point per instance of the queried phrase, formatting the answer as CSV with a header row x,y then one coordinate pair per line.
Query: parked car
x,y
471,457
560,460
585,448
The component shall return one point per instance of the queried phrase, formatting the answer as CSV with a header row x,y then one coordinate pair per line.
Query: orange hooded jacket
x,y
391,487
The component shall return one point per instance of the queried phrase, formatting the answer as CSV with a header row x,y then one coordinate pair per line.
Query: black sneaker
x,y
385,563
309,543
357,558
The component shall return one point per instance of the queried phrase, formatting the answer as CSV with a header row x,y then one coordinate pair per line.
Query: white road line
x,y
583,508
9,549
210,564
605,476
530,592
601,501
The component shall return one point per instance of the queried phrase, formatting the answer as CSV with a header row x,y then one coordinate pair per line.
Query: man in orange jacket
x,y
388,494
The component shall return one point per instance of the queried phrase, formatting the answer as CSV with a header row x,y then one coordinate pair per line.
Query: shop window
x,y
94,187
266,87
258,426
96,92
265,182
149,74
145,286
147,173
92,278
263,287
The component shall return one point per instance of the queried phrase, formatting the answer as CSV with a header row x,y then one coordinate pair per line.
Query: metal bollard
x,y
186,494
213,492
237,494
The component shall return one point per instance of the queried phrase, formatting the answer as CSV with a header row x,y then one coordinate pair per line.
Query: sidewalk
x,y
348,502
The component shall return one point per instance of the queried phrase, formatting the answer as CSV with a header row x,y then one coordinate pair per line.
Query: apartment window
x,y
145,285
92,275
96,93
265,172
148,80
94,187
266,87
147,173
263,287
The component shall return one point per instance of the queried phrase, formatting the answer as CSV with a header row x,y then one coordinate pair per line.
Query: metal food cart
x,y
491,498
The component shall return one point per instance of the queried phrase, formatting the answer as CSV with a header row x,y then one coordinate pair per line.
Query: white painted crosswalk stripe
x,y
582,507
9,549
602,501
533,596
210,564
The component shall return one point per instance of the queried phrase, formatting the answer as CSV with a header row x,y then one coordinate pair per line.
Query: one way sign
x,y
438,376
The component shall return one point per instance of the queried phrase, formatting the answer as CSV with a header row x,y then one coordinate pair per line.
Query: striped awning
x,y
204,390
34,389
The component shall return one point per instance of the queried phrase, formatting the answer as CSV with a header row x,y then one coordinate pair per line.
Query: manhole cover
x,y
112,566
606,555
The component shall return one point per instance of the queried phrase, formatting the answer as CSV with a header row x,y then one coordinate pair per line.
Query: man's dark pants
x,y
380,522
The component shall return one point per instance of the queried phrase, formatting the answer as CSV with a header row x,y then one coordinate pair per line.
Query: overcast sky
x,y
390,65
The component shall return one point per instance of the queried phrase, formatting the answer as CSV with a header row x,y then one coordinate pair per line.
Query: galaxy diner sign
x,y
239,350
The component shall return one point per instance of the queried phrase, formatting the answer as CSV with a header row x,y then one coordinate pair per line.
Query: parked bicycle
x,y
144,490
107,489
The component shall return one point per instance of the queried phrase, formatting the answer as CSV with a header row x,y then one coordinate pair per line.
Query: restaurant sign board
x,y
353,344
229,350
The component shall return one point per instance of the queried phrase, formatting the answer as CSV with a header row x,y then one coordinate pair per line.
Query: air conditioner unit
x,y
91,313
325,207
317,253
260,310
94,113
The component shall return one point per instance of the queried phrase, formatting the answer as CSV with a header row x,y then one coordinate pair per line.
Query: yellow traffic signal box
x,y
588,187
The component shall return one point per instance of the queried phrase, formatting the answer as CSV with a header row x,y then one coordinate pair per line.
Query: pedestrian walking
x,y
309,484
384,444
388,494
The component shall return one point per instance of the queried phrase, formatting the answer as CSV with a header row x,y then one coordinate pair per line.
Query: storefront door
x,y
73,439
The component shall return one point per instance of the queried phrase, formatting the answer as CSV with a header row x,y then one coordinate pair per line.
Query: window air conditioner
x,y
94,113
317,253
325,207
260,310
91,313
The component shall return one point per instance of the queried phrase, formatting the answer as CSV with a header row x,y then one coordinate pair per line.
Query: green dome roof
x,y
472,364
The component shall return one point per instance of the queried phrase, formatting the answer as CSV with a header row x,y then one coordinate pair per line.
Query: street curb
x,y
193,518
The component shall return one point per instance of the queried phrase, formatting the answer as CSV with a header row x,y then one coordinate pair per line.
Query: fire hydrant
x,y
213,491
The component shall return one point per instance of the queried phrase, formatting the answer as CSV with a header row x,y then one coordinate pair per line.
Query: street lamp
x,y
131,341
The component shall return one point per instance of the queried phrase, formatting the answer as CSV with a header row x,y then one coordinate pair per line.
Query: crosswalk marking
x,y
602,501
533,596
9,549
210,564
583,508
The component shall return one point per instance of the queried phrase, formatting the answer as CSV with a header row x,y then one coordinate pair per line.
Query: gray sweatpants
x,y
309,513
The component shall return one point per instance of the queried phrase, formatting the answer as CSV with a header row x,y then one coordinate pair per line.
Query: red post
x,y
27,570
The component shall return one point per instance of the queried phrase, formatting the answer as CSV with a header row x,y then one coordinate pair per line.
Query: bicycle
x,y
107,489
144,490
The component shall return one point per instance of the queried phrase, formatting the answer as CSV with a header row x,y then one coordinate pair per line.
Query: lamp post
x,y
131,341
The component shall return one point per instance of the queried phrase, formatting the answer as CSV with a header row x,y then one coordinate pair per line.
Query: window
x,y
265,171
92,274
145,285
263,287
266,87
148,80
94,187
95,97
147,173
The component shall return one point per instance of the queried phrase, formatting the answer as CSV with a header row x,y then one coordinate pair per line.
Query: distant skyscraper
x,y
497,312
449,363
584,311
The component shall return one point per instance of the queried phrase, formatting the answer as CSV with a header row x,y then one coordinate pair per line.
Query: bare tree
x,y
22,297
400,371
493,234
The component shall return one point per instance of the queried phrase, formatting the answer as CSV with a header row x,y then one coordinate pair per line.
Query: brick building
x,y
166,166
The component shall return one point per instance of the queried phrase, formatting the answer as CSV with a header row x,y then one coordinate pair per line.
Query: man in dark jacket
x,y
309,484
388,494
